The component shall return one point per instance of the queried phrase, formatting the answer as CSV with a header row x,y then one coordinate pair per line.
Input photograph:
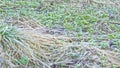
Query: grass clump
x,y
12,45
8,34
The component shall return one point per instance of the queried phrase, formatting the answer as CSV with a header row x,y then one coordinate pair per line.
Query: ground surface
x,y
60,33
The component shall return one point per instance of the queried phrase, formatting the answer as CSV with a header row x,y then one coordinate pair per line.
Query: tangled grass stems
x,y
27,48
21,51
14,45
21,47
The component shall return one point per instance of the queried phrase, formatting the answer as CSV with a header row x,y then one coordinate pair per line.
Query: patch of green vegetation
x,y
113,66
72,18
104,45
23,60
103,61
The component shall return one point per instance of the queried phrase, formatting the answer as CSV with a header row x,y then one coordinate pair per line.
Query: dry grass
x,y
33,49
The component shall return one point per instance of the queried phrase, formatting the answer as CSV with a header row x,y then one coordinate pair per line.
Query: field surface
x,y
60,33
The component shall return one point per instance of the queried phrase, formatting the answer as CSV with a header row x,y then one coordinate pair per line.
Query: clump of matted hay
x,y
25,47
22,47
